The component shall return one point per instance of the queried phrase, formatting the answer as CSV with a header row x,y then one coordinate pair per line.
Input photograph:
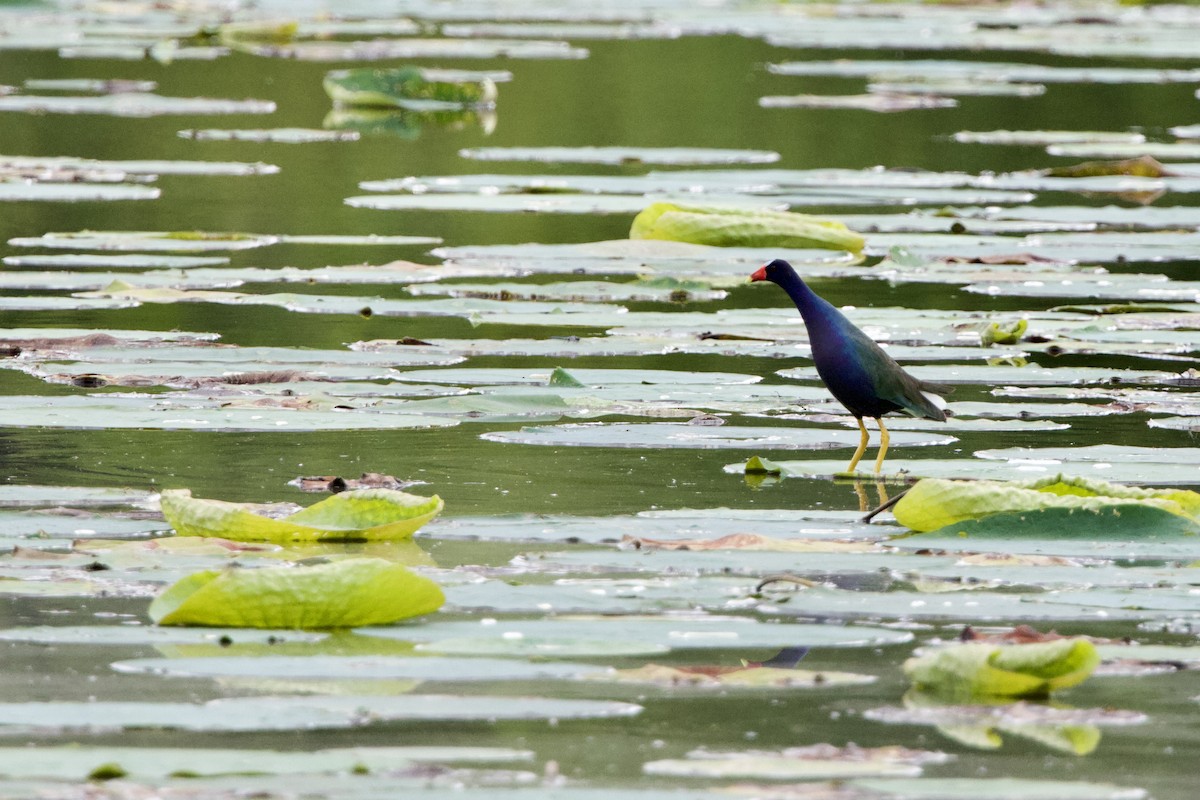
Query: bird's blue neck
x,y
816,311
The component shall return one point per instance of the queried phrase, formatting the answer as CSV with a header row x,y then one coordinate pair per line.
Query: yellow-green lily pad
x,y
1019,670
359,515
340,594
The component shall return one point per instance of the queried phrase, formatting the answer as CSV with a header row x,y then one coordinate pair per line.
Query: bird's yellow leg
x,y
862,446
883,444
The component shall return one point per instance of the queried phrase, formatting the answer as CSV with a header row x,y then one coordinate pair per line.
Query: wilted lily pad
x,y
408,87
340,594
933,504
987,670
722,227
359,515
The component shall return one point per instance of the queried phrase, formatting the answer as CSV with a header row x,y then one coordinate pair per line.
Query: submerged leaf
x,y
341,594
739,227
1022,670
358,515
406,87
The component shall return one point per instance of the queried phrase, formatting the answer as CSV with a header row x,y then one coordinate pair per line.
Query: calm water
x,y
693,92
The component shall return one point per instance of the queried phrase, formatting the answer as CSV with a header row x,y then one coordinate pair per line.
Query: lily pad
x,y
346,593
933,504
148,763
358,515
361,668
408,87
133,104
684,435
621,155
722,227
650,633
1020,670
291,713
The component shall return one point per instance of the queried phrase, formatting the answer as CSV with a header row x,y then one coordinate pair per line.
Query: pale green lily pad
x,y
50,334
659,634
74,525
356,591
417,49
75,192
749,678
664,525
1026,375
879,102
159,412
148,763
1041,138
134,635
984,70
292,713
1163,151
776,767
361,667
95,86
1019,670
995,789
950,87
685,435
139,167
277,135
621,155
357,515
1030,464
29,496
573,291
537,203
100,261
153,241
491,376
133,104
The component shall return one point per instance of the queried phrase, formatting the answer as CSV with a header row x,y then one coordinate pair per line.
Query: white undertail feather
x,y
936,399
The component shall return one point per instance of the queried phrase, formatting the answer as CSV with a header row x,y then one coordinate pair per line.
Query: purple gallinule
x,y
863,378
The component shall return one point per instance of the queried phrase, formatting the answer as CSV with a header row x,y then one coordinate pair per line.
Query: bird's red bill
x,y
760,274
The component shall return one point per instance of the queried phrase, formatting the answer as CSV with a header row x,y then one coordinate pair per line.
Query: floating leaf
x,y
406,87
341,594
749,677
985,670
361,667
75,762
724,227
621,155
133,104
292,713
650,634
685,435
358,515
932,504
280,135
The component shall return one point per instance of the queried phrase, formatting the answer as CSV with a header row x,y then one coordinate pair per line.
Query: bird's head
x,y
772,271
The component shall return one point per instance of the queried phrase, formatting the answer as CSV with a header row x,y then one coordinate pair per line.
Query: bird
x,y
856,370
